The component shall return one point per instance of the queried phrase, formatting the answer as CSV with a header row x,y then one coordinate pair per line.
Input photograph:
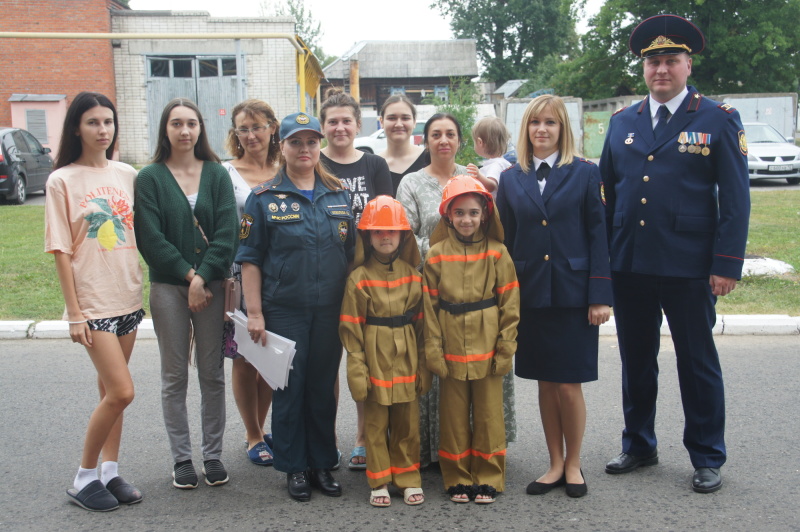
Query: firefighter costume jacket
x,y
383,363
474,344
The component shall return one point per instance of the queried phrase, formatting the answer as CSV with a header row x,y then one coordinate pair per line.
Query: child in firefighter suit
x,y
380,321
471,305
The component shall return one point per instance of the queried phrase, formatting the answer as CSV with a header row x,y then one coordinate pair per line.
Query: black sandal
x,y
460,489
487,491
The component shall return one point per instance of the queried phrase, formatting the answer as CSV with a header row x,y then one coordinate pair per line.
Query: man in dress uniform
x,y
677,189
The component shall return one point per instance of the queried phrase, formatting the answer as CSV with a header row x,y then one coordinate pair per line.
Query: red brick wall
x,y
54,66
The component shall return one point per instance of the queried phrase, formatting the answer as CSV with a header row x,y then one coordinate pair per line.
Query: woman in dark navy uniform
x,y
296,243
552,210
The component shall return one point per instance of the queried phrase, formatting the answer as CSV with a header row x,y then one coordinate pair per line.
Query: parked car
x,y
770,155
376,142
24,164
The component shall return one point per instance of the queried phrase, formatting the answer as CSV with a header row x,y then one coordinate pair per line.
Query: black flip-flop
x,y
94,497
123,491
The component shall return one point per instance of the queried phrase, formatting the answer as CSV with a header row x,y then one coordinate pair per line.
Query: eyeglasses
x,y
243,131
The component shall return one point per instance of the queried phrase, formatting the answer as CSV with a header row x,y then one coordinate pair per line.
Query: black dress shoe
x,y
625,463
299,488
706,480
540,488
577,490
324,482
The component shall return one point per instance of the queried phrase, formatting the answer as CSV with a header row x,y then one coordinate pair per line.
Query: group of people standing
x,y
432,294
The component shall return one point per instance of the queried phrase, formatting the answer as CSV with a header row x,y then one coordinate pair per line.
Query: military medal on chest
x,y
682,140
629,140
705,139
693,148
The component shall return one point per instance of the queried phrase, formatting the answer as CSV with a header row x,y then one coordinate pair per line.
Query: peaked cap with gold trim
x,y
666,35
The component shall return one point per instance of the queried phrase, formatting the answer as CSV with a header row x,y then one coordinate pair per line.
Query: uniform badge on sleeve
x,y
742,143
244,228
343,231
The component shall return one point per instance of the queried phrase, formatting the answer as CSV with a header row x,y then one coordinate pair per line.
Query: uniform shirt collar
x,y
550,160
672,105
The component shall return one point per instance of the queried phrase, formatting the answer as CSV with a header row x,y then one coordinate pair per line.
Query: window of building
x,y
228,66
182,68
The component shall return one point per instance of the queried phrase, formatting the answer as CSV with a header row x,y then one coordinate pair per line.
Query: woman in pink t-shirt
x,y
89,230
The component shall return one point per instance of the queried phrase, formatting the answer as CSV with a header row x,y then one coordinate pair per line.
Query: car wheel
x,y
793,180
21,191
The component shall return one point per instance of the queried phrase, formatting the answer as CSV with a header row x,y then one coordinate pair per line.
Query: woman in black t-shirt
x,y
365,174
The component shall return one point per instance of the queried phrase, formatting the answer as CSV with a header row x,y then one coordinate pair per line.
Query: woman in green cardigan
x,y
186,221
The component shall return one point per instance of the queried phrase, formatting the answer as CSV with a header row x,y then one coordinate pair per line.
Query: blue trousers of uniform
x,y
304,413
689,307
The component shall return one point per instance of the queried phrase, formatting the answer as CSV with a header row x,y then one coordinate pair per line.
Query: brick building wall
x,y
54,66
270,64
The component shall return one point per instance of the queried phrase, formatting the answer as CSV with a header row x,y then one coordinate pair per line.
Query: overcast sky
x,y
344,22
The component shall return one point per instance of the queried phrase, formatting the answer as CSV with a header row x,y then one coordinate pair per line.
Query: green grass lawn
x,y
29,286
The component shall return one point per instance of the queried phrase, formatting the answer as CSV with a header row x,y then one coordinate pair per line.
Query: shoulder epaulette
x,y
728,108
694,102
585,160
618,111
507,169
263,187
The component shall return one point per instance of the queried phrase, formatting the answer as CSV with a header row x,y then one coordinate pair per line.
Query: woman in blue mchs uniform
x,y
551,206
296,244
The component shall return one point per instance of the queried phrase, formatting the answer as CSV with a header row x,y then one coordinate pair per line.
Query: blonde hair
x,y
493,133
566,141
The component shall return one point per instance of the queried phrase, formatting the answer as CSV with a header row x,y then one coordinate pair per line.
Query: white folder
x,y
273,361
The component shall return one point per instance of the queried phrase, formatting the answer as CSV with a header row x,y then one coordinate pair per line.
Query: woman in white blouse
x,y
253,141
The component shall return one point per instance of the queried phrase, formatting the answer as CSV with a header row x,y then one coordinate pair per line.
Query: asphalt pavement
x,y
49,390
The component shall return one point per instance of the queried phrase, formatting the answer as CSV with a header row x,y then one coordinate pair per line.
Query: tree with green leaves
x,y
751,46
308,28
512,36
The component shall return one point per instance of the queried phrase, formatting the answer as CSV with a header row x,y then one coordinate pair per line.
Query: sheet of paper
x,y
273,361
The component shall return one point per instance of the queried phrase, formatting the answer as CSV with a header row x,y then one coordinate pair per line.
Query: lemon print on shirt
x,y
108,225
107,236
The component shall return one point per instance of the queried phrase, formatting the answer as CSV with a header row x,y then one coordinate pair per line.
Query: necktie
x,y
661,125
543,171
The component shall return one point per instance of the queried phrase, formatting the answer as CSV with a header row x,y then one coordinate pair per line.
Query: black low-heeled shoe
x,y
577,491
540,488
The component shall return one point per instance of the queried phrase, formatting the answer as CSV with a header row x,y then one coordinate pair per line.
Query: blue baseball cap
x,y
666,35
297,122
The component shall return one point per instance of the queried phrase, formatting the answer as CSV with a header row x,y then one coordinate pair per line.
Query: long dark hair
x,y
70,147
202,149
